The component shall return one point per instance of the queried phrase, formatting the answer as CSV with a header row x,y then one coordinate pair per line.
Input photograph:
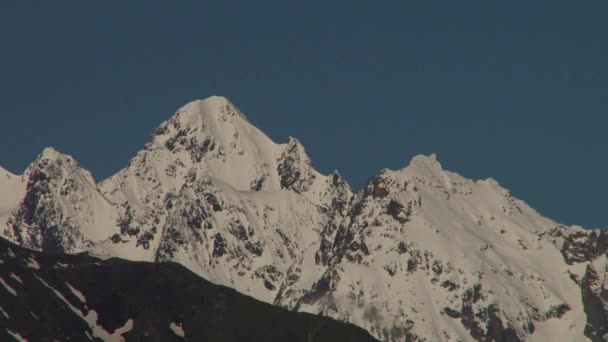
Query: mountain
x,y
58,297
61,209
420,253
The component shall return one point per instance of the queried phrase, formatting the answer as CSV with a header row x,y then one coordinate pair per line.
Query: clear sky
x,y
513,90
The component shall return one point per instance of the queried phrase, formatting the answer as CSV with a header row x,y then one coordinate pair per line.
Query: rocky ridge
x,y
420,253
59,297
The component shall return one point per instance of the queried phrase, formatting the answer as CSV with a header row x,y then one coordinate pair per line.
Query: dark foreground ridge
x,y
48,297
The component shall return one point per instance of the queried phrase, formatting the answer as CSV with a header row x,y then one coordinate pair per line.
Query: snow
x,y
276,216
12,191
177,329
67,195
16,336
447,225
16,277
7,287
50,152
33,263
77,293
4,313
549,329
99,331
91,317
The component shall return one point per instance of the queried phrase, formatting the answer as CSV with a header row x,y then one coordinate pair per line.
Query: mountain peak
x,y
56,164
295,146
49,153
210,108
211,100
49,158
214,99
421,159
424,165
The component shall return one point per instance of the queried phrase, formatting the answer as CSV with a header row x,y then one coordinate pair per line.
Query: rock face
x,y
56,297
420,253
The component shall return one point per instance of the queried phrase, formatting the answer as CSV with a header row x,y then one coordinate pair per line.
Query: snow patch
x,y
77,293
16,277
177,329
33,263
4,313
16,336
91,318
7,287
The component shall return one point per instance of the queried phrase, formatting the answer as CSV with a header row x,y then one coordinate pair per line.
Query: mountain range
x,y
79,297
419,254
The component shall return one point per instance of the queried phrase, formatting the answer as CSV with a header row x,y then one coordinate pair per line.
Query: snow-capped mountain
x,y
420,253
61,208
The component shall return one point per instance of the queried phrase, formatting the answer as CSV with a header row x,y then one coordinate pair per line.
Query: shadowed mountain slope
x,y
48,297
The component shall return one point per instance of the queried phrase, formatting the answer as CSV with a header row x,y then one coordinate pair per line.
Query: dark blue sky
x,y
514,90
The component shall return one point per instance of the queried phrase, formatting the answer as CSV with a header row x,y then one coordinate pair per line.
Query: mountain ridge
x,y
418,253
48,297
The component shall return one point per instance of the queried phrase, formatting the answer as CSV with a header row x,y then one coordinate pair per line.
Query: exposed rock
x,y
595,297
